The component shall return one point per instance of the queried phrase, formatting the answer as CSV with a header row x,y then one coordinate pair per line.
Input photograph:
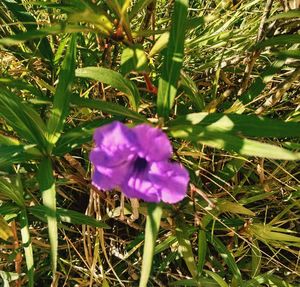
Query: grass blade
x,y
217,278
47,188
247,125
279,40
18,10
167,87
107,107
23,119
9,190
114,79
26,242
185,248
256,258
233,143
227,256
151,231
202,249
75,137
62,94
10,154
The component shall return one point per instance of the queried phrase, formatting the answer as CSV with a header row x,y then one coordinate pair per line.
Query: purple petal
x,y
102,181
171,179
112,155
110,168
114,136
138,185
154,143
161,181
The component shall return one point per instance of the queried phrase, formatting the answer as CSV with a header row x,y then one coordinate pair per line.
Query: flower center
x,y
140,164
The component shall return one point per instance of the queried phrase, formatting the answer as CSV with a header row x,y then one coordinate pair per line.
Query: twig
x,y
283,87
255,54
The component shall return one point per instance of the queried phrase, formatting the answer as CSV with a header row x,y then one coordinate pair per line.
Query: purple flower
x,y
137,160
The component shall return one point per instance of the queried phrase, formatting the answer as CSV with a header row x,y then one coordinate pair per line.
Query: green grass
x,y
221,79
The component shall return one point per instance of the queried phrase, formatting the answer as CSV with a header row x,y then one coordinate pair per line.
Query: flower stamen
x,y
140,164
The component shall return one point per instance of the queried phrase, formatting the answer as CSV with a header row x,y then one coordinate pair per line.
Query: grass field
x,y
219,78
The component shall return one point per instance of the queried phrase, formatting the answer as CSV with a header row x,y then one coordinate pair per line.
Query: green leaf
x,y
23,119
230,169
285,15
185,247
223,132
74,217
217,278
256,88
227,256
167,87
151,231
267,233
191,90
61,48
107,107
202,250
35,34
205,282
90,13
234,207
23,16
279,40
134,59
266,278
114,79
62,93
247,125
5,229
236,144
284,54
26,242
10,189
8,141
68,216
163,40
20,85
165,244
75,137
9,208
256,258
8,277
10,154
47,188
138,6
160,44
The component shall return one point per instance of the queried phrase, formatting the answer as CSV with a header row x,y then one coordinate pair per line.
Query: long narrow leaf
x,y
23,119
167,87
229,142
62,94
202,250
227,256
47,188
247,125
114,79
185,248
18,10
10,154
36,34
107,107
26,242
151,231
75,137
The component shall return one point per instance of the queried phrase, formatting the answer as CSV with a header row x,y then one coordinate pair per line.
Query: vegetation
x,y
220,77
